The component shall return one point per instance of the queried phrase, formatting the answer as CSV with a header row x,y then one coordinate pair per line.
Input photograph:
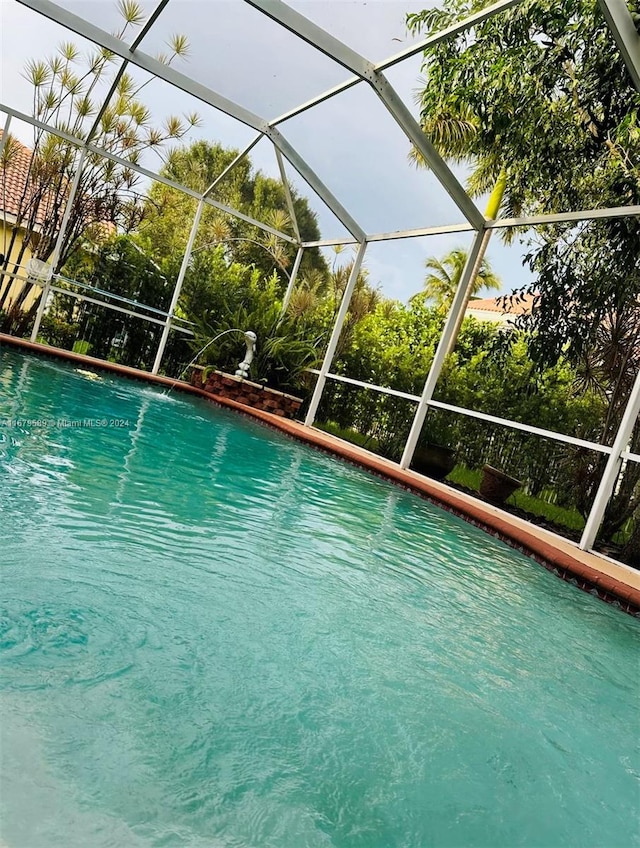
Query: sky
x,y
350,141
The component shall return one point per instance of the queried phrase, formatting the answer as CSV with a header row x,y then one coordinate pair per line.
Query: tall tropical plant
x,y
68,93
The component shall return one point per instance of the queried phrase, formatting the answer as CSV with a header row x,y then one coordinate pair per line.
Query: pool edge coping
x,y
529,539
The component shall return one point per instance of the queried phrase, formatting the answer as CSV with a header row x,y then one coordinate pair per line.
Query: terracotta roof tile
x,y
14,178
495,304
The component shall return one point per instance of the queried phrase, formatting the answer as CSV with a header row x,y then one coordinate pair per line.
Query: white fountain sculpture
x,y
243,367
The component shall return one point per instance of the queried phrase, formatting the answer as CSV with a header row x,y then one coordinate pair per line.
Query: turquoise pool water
x,y
212,636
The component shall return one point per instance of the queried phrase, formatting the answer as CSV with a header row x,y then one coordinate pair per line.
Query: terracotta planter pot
x,y
434,460
496,486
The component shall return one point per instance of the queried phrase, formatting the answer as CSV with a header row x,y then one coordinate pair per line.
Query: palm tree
x,y
444,275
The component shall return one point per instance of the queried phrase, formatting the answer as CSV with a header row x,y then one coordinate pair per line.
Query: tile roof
x,y
13,179
522,306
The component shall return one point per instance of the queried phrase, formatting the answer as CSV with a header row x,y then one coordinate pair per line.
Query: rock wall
x,y
244,391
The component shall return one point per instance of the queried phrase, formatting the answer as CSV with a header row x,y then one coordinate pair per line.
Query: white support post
x,y
178,286
438,360
335,335
57,250
612,468
491,212
474,273
3,141
292,281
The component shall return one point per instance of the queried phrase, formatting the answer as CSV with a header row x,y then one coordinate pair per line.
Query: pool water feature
x,y
212,635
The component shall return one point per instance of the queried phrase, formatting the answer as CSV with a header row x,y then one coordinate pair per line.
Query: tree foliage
x,y
394,346
539,91
541,94
169,213
220,293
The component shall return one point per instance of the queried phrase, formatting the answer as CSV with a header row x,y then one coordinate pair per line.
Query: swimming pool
x,y
214,636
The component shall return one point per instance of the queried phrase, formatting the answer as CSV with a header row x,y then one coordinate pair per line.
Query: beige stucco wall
x,y
15,286
493,317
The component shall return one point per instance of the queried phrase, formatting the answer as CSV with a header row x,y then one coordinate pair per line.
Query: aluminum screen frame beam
x,y
153,17
564,217
115,308
206,95
114,85
481,416
411,128
98,36
441,351
316,101
335,335
448,32
287,193
616,14
431,40
107,99
292,281
311,178
232,164
341,53
421,232
186,258
329,242
314,35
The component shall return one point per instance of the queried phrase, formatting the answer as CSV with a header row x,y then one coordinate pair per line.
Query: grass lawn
x,y
562,516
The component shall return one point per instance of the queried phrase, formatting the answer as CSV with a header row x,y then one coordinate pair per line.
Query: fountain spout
x,y
251,340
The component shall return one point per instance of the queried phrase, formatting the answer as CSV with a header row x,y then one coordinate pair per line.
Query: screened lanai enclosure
x,y
419,227
331,102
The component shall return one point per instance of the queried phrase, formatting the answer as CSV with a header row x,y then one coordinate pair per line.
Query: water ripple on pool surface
x,y
212,636
56,644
